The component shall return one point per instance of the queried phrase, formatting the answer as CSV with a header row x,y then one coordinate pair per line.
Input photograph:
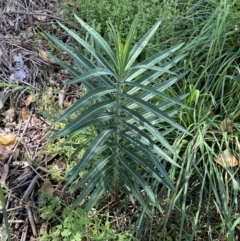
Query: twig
x,y
36,172
24,233
30,217
27,13
30,188
40,14
19,140
12,209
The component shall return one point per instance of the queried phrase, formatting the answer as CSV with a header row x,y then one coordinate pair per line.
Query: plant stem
x,y
116,159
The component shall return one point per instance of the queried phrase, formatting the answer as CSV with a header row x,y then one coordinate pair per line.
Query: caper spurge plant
x,y
127,145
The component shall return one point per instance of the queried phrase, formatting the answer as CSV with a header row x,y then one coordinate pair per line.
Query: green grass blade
x,y
4,210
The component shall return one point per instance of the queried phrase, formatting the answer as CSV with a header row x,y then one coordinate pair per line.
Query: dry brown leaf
x,y
5,153
59,165
226,159
71,3
8,139
29,100
43,228
42,15
10,115
227,125
25,113
47,187
11,38
44,55
4,173
15,154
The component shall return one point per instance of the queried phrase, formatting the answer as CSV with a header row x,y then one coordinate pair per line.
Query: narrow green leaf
x,y
86,99
99,39
80,59
162,177
155,91
91,185
92,151
151,75
149,152
64,47
149,127
150,63
128,184
90,74
101,122
79,148
92,173
85,44
150,67
89,114
143,138
168,83
65,66
88,65
151,108
129,41
102,187
141,182
137,49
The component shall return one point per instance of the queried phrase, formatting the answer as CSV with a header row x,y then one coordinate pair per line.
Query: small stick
x,y
24,233
40,14
30,217
12,209
16,146
30,188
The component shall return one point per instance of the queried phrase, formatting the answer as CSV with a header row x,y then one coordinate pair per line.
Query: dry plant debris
x,y
226,159
25,73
